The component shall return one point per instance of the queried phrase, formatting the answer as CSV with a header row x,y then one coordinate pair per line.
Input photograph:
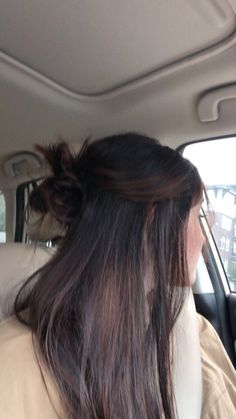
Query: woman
x,y
103,309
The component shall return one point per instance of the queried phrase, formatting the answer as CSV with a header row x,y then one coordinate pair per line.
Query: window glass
x,y
216,162
2,218
24,190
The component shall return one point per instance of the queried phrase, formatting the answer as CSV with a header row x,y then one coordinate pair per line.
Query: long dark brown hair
x,y
124,202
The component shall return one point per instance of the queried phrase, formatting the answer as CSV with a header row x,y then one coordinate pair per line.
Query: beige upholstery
x,y
43,227
18,261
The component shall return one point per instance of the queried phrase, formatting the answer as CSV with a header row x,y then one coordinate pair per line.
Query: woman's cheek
x,y
192,262
195,240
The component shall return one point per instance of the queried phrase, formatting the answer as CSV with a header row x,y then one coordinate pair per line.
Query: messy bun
x,y
60,194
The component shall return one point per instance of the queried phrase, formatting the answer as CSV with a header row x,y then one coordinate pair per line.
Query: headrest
x,y
43,228
18,261
187,373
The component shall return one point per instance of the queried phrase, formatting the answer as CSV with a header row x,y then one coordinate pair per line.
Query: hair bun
x,y
60,194
61,197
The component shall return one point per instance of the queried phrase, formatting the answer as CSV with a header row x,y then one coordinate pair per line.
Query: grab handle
x,y
208,105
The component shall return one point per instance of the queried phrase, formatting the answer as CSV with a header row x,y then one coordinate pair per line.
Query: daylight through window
x,y
2,218
208,157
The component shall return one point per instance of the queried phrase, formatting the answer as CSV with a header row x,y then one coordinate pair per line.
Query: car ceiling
x,y
87,69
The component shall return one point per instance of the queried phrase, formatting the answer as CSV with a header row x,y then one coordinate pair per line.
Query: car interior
x,y
165,68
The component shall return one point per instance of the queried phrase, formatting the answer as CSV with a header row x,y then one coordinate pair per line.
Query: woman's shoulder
x,y
213,352
211,345
11,329
219,376
15,340
205,326
16,346
25,390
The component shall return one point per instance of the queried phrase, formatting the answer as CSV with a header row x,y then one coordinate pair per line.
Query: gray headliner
x,y
134,75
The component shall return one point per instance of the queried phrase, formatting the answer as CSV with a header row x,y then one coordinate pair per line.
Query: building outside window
x,y
234,248
222,243
226,223
227,245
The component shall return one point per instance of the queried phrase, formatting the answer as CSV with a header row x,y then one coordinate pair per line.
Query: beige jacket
x,y
26,392
219,375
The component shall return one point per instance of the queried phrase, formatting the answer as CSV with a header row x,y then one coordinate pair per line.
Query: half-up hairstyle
x,y
103,308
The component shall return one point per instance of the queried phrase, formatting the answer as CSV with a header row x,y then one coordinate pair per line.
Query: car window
x,y
22,214
2,218
216,162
